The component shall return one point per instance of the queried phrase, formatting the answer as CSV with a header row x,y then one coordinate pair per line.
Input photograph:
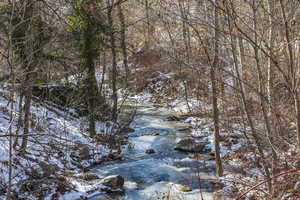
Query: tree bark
x,y
261,89
92,88
123,42
28,53
213,68
114,63
185,37
271,38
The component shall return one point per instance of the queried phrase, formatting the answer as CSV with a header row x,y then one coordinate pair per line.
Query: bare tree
x,y
110,8
229,10
123,42
214,66
27,40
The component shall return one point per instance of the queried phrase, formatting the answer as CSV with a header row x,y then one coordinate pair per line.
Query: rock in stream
x,y
115,182
190,145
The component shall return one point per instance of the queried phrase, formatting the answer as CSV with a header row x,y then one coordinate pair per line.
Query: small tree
x,y
27,40
87,27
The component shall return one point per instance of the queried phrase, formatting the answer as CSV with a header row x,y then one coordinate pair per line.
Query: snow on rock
x,y
190,145
114,182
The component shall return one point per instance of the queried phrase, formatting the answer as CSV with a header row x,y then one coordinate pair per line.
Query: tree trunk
x,y
123,42
259,146
148,25
103,75
293,84
10,129
185,37
261,90
91,82
114,64
27,105
242,60
213,68
271,39
20,120
297,111
28,54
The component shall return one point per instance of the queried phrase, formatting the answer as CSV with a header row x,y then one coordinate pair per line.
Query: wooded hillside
x,y
68,69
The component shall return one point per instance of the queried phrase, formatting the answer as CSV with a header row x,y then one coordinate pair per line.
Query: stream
x,y
158,175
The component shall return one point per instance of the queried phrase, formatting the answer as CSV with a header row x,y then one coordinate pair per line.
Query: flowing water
x,y
156,176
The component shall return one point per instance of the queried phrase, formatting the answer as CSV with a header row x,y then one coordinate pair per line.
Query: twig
x,y
258,184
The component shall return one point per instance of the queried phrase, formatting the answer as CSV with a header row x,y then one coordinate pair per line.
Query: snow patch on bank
x,y
57,146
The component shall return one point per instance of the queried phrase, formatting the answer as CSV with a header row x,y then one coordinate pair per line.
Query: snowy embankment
x,y
57,154
242,164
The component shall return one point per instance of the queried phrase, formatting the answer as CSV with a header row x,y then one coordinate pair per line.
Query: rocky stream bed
x,y
152,168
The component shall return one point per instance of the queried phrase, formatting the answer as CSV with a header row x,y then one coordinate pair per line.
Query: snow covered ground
x,y
58,149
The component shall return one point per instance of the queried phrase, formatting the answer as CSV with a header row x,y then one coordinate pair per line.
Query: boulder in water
x,y
87,176
173,118
189,145
154,133
150,151
84,152
188,129
127,130
183,188
114,182
198,156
